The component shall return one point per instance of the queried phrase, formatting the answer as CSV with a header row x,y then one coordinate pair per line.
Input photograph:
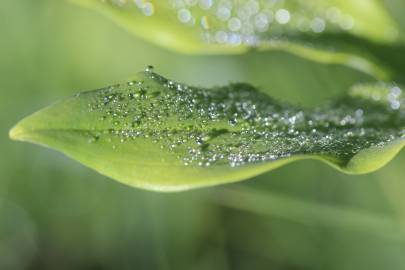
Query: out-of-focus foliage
x,y
55,214
232,25
352,33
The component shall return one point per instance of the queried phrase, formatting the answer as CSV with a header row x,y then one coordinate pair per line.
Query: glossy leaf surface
x,y
157,134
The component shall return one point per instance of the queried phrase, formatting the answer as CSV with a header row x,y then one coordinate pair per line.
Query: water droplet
x,y
223,13
234,24
283,16
205,4
204,23
148,9
221,37
318,25
262,22
233,121
347,22
184,15
149,68
258,128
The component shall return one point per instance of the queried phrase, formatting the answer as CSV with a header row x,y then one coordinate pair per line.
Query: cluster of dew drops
x,y
238,124
237,22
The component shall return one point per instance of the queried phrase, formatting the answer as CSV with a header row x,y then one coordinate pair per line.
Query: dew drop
x,y
184,15
283,16
233,121
204,23
223,13
234,24
149,69
205,4
148,9
318,25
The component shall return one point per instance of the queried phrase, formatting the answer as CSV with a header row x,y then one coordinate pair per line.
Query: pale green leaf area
x,y
157,134
304,28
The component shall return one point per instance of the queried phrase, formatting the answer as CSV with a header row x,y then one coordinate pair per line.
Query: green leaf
x,y
156,134
304,28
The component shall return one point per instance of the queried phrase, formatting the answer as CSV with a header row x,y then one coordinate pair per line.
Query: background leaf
x,y
161,135
326,31
183,25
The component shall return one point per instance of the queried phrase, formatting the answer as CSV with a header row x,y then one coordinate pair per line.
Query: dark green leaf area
x,y
238,124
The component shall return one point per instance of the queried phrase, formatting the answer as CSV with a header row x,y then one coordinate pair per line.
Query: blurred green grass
x,y
56,214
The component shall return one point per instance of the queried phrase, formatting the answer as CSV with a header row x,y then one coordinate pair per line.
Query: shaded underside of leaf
x,y
157,134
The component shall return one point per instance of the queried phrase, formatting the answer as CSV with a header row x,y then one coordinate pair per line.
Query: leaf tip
x,y
15,133
20,131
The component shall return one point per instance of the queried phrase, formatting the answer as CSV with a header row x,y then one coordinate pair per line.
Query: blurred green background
x,y
57,214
